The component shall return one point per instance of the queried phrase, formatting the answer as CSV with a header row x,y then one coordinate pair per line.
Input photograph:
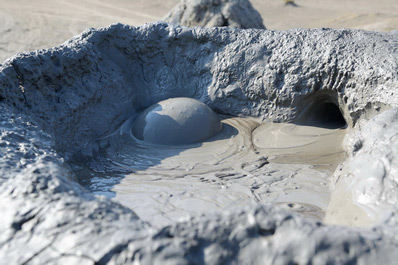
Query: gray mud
x,y
69,103
215,13
231,170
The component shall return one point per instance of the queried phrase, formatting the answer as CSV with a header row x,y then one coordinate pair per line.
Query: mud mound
x,y
215,13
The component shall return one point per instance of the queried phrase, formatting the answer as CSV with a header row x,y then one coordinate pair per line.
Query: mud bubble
x,y
176,121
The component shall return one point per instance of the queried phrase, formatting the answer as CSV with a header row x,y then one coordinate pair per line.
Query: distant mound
x,y
215,13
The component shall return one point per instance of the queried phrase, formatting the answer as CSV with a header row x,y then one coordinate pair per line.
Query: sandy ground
x,y
28,25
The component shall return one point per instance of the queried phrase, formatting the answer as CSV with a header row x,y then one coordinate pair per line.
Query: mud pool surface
x,y
248,162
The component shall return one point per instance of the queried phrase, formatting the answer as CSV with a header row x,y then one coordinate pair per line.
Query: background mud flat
x,y
27,25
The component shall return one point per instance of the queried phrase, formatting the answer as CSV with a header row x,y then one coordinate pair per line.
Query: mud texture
x,y
176,121
215,13
57,103
366,183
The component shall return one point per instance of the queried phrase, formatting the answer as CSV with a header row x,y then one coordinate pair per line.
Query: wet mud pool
x,y
248,162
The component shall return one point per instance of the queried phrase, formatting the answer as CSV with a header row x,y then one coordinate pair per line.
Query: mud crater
x,y
88,102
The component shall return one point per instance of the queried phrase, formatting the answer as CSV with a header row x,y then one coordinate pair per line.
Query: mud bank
x,y
60,104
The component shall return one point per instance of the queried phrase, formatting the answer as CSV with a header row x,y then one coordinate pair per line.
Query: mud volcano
x,y
67,119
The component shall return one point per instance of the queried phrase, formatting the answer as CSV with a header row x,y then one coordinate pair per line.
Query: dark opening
x,y
323,114
329,113
224,21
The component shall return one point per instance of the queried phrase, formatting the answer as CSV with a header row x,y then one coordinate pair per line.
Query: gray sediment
x,y
215,13
57,104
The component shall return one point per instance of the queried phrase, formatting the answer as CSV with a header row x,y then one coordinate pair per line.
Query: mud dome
x,y
66,104
176,121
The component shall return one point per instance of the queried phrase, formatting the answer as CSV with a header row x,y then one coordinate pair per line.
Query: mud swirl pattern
x,y
245,163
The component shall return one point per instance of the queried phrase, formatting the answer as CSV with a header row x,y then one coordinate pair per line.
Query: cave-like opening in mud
x,y
327,114
321,110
